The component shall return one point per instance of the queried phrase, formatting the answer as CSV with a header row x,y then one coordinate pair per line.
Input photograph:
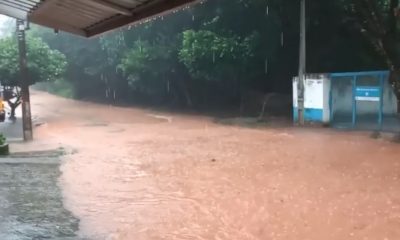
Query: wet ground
x,y
137,174
30,201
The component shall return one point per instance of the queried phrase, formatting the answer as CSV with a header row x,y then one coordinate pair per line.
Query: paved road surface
x,y
12,130
30,201
145,175
31,205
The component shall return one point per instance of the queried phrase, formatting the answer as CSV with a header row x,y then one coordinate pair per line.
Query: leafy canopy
x,y
209,55
44,64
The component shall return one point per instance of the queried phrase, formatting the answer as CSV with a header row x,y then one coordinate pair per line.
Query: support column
x,y
354,101
381,95
24,82
302,62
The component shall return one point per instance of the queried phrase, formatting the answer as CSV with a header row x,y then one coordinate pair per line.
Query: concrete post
x,y
24,82
302,61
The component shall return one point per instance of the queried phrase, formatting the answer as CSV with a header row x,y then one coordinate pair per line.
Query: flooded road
x,y
141,175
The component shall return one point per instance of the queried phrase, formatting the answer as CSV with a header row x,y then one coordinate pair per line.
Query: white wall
x,y
316,94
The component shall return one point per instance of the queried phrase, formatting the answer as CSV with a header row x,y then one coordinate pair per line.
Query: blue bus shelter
x,y
349,100
367,89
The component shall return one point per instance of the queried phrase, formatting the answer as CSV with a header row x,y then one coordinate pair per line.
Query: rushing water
x,y
137,175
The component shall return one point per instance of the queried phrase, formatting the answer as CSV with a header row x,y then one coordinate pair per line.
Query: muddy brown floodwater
x,y
143,175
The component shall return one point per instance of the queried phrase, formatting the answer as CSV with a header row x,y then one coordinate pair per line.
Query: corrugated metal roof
x,y
87,17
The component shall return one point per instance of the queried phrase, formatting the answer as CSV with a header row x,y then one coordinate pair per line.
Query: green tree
x,y
209,53
151,68
113,47
211,56
84,57
44,64
378,22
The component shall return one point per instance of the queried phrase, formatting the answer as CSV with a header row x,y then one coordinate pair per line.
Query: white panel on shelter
x,y
314,94
295,86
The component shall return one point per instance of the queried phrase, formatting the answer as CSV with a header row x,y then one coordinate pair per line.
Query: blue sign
x,y
372,94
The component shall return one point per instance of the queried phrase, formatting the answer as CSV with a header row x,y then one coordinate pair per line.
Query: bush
x,y
4,149
58,87
2,139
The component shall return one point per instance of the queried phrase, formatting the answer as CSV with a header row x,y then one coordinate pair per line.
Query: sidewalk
x,y
31,205
12,130
31,201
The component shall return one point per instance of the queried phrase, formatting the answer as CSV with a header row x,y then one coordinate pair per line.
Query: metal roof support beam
x,y
12,12
139,14
53,23
108,6
88,17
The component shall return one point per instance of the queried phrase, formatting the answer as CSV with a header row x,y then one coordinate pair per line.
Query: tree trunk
x,y
13,106
382,35
394,80
12,114
185,90
189,102
394,5
394,77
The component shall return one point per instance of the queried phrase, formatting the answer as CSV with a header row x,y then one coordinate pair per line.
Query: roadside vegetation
x,y
212,54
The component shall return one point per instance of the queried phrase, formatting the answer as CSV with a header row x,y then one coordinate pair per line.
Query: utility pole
x,y
24,82
302,62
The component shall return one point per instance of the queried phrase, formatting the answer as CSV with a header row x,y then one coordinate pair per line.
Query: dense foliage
x,y
44,64
212,53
